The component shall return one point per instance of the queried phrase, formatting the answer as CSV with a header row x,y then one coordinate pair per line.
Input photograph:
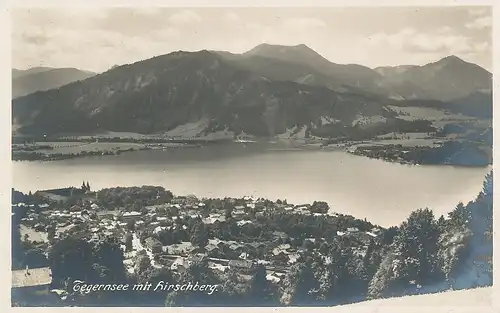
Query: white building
x,y
131,216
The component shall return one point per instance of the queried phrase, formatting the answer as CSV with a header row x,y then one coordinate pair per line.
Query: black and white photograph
x,y
232,156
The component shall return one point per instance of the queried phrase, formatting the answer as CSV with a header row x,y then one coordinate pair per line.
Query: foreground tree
x,y
199,235
108,253
71,259
299,286
128,242
260,292
197,272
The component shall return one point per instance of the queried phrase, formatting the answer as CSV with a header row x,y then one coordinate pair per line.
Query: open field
x,y
439,118
77,147
68,149
33,235
430,114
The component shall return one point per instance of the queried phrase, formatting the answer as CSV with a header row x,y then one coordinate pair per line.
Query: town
x,y
175,231
252,251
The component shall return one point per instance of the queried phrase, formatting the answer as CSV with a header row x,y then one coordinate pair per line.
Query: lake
x,y
384,193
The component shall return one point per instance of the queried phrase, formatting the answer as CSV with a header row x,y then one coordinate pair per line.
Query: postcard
x,y
251,156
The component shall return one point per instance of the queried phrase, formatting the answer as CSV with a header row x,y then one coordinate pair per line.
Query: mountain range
x,y
447,79
266,91
25,82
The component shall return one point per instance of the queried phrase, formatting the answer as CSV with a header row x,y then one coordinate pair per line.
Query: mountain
x,y
345,74
25,82
448,79
391,71
267,91
282,70
168,91
18,73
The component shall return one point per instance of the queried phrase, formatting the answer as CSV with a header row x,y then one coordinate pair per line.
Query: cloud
x,y
445,30
479,11
185,17
397,40
232,17
304,23
164,34
254,26
482,46
62,39
412,41
480,23
148,11
96,39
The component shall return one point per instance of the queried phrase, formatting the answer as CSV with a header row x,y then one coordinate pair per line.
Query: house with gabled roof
x,y
30,282
31,277
31,287
153,244
241,264
179,265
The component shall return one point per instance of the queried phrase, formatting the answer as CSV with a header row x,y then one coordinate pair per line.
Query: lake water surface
x,y
384,193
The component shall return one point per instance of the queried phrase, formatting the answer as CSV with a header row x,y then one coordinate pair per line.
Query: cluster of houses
x,y
102,222
237,255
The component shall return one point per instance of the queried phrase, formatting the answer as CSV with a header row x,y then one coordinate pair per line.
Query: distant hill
x,y
25,82
18,73
448,79
391,71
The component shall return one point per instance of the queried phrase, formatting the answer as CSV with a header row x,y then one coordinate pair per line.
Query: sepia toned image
x,y
251,156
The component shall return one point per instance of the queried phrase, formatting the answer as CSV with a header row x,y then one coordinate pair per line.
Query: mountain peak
x,y
267,47
452,59
302,46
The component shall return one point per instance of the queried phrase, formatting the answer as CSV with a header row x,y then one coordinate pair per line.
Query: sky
x,y
96,39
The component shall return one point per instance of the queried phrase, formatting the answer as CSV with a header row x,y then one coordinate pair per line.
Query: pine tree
x,y
260,288
199,236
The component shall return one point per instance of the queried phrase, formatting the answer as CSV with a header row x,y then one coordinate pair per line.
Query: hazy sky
x,y
96,39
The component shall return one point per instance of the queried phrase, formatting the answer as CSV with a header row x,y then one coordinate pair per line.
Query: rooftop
x,y
133,213
240,263
32,277
152,241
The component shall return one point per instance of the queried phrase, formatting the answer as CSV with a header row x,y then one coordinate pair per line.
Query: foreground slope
x,y
467,299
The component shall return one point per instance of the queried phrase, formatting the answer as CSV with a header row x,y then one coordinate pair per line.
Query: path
x,y
137,245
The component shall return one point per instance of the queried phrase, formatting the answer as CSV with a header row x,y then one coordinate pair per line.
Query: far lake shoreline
x,y
41,156
356,185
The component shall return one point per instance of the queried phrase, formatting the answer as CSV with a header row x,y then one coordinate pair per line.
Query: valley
x,y
268,95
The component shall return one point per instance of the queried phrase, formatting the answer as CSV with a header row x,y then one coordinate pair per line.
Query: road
x,y
136,245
